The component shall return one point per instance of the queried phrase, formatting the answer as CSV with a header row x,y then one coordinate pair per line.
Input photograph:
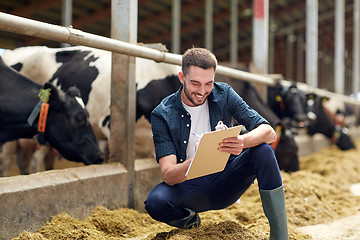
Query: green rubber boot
x,y
193,220
273,202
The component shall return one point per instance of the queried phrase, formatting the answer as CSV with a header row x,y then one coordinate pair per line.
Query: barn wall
x,y
28,202
307,144
310,144
147,176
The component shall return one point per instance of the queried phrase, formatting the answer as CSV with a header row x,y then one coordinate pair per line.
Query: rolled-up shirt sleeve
x,y
163,142
242,112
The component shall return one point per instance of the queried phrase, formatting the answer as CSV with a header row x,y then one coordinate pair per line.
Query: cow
x,y
322,116
88,69
66,67
151,95
322,123
67,123
341,113
286,150
289,104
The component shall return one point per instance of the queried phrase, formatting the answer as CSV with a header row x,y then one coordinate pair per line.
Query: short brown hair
x,y
199,57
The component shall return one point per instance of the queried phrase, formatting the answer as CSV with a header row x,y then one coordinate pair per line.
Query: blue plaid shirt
x,y
171,123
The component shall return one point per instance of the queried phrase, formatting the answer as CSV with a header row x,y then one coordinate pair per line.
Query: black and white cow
x,y
308,110
89,69
341,113
151,95
322,123
289,104
286,150
86,68
67,125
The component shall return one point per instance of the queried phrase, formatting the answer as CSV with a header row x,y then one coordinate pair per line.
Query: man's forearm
x,y
176,173
264,133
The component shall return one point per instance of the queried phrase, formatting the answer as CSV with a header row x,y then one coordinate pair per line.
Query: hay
x,y
318,193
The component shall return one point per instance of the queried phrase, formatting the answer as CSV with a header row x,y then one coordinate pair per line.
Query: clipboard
x,y
208,159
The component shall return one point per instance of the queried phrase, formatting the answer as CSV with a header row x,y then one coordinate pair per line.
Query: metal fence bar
x,y
29,27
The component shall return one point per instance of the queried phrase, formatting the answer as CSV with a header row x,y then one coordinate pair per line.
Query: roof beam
x,y
32,8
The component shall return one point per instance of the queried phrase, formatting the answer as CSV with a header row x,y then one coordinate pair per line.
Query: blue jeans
x,y
216,191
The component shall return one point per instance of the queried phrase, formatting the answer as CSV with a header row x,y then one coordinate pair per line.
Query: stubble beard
x,y
191,99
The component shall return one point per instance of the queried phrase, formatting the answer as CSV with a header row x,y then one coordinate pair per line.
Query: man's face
x,y
197,85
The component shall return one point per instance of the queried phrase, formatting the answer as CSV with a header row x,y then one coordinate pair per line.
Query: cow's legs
x,y
38,158
23,161
50,158
7,156
26,149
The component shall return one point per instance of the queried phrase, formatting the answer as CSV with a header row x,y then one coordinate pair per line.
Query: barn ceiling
x,y
154,24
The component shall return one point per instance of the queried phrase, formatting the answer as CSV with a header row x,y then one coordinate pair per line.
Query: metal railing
x,y
20,25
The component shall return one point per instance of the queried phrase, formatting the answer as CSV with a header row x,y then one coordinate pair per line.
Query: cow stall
x,y
79,190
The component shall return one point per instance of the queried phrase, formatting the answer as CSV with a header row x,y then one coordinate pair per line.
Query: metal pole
x,y
123,91
19,25
261,36
312,43
66,16
234,33
339,68
300,58
272,30
260,47
209,9
290,39
176,22
356,48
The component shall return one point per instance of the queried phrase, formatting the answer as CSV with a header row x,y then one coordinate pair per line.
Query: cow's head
x,y
319,122
287,151
295,105
68,129
322,123
343,140
289,103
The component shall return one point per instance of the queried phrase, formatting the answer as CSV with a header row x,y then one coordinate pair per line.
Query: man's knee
x,y
158,205
265,149
267,169
154,204
265,154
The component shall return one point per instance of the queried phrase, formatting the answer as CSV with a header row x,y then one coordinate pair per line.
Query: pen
x,y
197,135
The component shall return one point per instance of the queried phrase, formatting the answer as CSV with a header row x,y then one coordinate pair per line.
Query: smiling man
x,y
194,109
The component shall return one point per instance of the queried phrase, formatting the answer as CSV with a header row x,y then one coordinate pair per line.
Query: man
x,y
196,108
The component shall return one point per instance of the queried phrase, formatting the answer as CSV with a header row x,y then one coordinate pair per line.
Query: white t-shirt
x,y
200,124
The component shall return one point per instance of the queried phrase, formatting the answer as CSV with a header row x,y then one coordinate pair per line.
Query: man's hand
x,y
264,133
233,145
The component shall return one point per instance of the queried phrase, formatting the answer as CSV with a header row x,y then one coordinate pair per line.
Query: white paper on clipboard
x,y
208,159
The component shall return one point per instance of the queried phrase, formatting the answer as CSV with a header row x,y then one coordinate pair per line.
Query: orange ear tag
x,y
43,116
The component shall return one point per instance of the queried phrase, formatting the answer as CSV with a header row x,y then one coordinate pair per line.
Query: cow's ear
x,y
278,98
310,96
324,99
278,85
17,66
74,92
54,98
